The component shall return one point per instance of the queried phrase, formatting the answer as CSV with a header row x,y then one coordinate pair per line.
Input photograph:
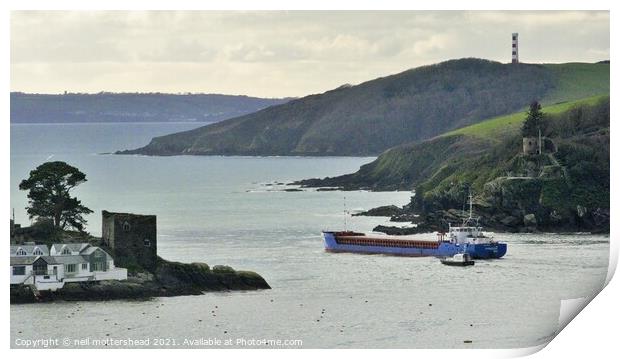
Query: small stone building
x,y
531,146
132,237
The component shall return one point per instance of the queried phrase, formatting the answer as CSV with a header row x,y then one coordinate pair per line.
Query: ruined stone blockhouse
x,y
132,237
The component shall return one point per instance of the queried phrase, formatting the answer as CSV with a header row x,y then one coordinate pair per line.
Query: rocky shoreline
x,y
438,221
170,279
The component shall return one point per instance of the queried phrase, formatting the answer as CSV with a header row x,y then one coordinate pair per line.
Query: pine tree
x,y
49,187
534,121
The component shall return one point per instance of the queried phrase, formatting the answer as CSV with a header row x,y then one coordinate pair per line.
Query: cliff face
x,y
371,117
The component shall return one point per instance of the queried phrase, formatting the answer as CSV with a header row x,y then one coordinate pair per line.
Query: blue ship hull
x,y
358,243
487,250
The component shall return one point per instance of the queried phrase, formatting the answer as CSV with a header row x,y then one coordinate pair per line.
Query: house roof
x,y
22,260
90,250
73,247
26,260
84,250
50,260
29,248
70,259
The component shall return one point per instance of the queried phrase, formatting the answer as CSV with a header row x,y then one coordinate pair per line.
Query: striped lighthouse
x,y
515,47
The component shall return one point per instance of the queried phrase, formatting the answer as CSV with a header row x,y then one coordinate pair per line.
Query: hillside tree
x,y
534,121
49,189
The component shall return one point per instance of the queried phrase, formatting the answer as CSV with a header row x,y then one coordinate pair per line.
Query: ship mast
x,y
466,221
344,212
470,204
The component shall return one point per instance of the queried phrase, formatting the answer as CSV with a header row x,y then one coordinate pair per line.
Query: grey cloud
x,y
277,53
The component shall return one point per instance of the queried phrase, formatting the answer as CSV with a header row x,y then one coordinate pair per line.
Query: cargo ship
x,y
466,238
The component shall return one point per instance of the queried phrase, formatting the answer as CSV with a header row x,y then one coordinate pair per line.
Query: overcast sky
x,y
276,54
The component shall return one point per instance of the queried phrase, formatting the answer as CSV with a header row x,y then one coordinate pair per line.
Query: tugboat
x,y
459,259
467,238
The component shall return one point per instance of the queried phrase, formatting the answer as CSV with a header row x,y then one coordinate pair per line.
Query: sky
x,y
277,54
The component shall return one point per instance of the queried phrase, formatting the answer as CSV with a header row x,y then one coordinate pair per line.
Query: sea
x,y
236,211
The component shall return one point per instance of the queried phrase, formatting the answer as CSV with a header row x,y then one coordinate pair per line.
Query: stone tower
x,y
515,47
538,145
531,146
132,237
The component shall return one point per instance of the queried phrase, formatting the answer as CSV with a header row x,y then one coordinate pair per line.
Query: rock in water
x,y
383,211
529,220
510,221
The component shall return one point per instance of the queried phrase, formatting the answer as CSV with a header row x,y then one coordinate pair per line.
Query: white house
x,y
71,262
30,250
58,249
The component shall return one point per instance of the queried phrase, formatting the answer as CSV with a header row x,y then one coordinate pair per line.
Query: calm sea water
x,y
219,210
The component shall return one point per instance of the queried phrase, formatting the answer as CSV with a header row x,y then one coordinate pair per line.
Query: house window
x,y
84,266
37,252
98,266
21,252
39,268
66,251
126,226
147,242
19,270
70,268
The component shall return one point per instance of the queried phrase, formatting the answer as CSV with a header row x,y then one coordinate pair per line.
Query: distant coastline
x,y
113,123
108,107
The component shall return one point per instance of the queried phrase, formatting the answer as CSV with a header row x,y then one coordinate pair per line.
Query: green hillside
x,y
509,123
407,166
566,187
576,81
371,117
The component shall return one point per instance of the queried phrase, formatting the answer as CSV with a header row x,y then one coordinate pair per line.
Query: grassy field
x,y
499,125
575,81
